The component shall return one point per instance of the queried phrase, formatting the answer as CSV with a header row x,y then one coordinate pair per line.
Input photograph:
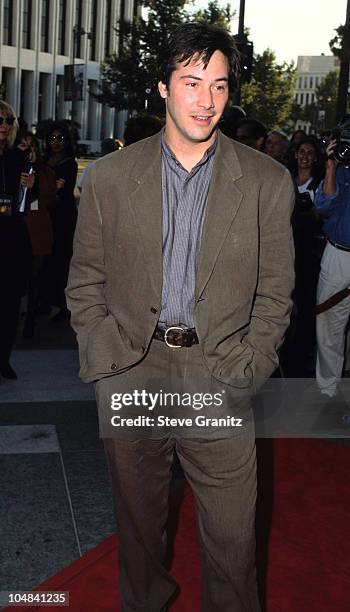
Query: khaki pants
x,y
331,324
222,474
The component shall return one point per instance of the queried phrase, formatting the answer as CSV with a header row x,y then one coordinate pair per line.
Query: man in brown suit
x,y
182,273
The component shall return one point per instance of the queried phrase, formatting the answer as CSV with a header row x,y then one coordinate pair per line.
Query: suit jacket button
x,y
154,310
114,366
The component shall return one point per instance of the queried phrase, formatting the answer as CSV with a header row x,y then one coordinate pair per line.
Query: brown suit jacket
x,y
245,271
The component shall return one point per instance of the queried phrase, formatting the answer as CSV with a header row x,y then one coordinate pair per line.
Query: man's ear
x,y
162,88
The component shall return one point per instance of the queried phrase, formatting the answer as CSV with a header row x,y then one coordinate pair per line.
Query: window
x,y
311,82
45,17
93,29
26,26
316,82
8,22
301,99
62,10
299,83
108,18
307,98
312,97
305,82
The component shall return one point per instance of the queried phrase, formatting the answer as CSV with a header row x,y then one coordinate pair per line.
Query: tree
x,y
322,114
340,47
129,80
269,95
215,14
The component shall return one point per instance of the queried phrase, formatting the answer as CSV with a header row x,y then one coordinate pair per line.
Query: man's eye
x,y
220,87
191,84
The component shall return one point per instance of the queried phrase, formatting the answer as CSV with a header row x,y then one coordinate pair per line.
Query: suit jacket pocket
x,y
235,370
106,353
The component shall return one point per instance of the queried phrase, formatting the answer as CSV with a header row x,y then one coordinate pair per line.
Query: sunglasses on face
x,y
8,120
55,138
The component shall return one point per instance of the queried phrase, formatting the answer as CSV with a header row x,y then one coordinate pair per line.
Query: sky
x,y
290,27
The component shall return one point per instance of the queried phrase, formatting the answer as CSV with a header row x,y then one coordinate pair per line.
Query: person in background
x,y
39,225
108,145
276,145
15,249
60,157
295,139
141,127
230,119
332,201
252,133
309,243
26,142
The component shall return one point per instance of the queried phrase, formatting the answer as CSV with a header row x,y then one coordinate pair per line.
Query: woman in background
x,y
309,243
61,159
15,249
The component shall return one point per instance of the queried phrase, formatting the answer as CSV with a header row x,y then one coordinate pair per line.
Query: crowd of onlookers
x,y
37,222
305,158
36,244
38,213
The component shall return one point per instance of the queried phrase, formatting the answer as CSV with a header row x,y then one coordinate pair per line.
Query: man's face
x,y
195,100
275,146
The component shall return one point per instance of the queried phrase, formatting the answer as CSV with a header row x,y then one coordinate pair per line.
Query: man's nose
x,y
206,99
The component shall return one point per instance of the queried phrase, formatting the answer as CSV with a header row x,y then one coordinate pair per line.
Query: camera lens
x,y
342,153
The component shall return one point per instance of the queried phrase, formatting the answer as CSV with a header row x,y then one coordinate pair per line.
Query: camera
x,y
341,133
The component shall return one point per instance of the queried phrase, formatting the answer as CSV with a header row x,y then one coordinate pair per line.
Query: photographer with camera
x,y
333,297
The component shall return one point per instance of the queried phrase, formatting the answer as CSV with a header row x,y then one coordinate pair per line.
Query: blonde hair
x,y
8,111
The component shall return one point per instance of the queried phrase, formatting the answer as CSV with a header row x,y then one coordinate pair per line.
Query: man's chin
x,y
202,135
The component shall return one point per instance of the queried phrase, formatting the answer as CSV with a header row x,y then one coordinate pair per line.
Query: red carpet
x,y
304,546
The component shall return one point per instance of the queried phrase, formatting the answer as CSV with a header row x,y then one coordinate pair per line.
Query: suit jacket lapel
x,y
146,203
224,200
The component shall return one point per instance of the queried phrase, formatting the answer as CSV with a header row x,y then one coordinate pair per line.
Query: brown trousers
x,y
222,474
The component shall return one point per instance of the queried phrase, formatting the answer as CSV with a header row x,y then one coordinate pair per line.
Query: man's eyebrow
x,y
197,78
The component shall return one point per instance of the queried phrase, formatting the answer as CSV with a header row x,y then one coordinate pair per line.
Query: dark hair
x,y
297,132
230,119
256,129
36,146
195,38
141,127
68,143
308,140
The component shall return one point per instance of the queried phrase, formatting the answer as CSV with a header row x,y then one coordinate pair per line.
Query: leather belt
x,y
339,246
176,336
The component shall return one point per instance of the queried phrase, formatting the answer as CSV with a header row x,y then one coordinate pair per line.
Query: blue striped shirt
x,y
185,196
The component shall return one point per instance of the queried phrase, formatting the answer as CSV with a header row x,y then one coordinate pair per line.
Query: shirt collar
x,y
171,156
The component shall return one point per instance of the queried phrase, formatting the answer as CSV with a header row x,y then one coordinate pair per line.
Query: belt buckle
x,y
168,329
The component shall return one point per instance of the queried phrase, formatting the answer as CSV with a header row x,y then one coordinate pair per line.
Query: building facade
x,y
37,41
311,70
